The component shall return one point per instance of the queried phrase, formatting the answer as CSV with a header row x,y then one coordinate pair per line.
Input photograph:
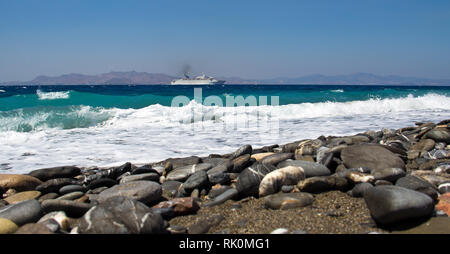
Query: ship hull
x,y
197,82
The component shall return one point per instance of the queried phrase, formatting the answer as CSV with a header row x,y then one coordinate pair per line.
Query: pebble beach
x,y
375,182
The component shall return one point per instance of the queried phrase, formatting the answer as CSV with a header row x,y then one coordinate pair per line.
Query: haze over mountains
x,y
144,78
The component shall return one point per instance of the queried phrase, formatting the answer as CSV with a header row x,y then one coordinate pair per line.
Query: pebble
x,y
240,163
287,188
121,215
370,156
71,208
272,182
182,173
180,206
146,169
140,177
143,191
46,174
246,149
7,226
18,182
280,231
288,200
102,182
47,196
359,189
438,135
22,196
444,188
71,196
71,188
311,168
248,181
392,204
259,156
319,184
60,217
274,159
170,188
228,194
33,228
54,185
23,212
388,174
196,181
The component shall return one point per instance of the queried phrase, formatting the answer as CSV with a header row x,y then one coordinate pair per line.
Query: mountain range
x,y
141,78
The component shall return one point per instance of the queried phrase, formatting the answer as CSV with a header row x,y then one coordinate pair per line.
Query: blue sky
x,y
250,39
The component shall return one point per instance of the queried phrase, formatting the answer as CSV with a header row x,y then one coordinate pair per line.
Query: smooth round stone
x,y
226,195
121,215
47,196
170,188
444,188
439,135
413,183
60,217
318,184
183,173
359,189
71,196
240,163
280,231
22,196
250,178
70,207
287,188
18,182
54,185
144,170
98,190
45,174
246,149
196,181
7,226
23,212
102,182
388,174
141,177
391,204
272,182
213,193
382,182
370,156
274,159
33,228
181,162
71,188
259,156
423,145
288,200
311,168
143,191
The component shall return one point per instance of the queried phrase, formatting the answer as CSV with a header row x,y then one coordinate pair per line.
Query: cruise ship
x,y
199,80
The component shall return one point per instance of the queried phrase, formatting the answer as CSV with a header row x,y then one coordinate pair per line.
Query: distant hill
x,y
113,78
144,78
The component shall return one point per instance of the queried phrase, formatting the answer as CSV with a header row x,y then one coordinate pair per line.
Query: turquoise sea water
x,y
104,125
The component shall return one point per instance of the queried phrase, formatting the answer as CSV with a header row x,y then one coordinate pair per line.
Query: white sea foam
x,y
157,132
338,91
2,91
52,95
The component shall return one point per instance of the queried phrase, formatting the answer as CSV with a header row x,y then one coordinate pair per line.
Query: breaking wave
x,y
52,95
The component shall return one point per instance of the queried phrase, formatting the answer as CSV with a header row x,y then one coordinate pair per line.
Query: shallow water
x,y
108,125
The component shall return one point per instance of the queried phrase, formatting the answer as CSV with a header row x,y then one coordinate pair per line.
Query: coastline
x,y
325,185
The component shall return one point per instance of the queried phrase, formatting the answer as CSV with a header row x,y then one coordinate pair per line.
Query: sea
x,y
107,125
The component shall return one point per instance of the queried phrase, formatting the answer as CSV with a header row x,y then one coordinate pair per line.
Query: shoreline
x,y
350,184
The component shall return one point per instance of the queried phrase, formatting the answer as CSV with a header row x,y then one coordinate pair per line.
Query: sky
x,y
226,38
